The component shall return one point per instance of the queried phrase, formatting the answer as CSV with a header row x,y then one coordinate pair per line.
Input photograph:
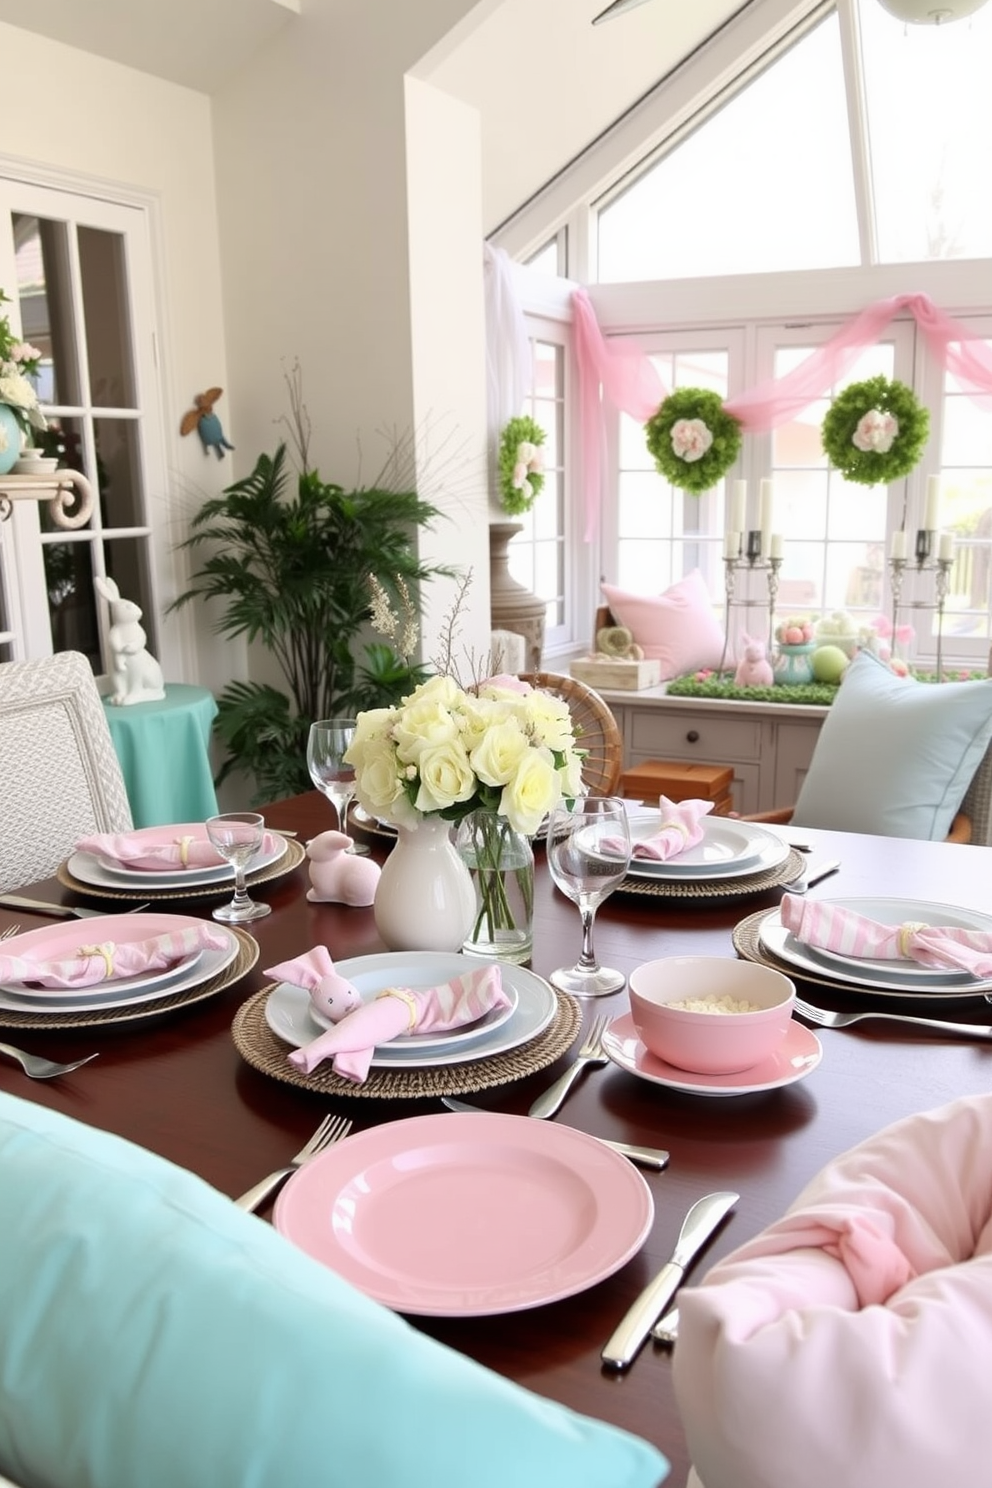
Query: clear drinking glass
x,y
327,745
588,853
237,836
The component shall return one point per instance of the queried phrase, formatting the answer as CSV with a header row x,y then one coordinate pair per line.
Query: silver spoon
x,y
42,1069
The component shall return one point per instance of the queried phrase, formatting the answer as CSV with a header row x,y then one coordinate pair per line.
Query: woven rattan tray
x,y
294,855
716,888
93,1017
259,1046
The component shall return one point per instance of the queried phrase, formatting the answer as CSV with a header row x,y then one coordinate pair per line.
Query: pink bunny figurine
x,y
754,669
337,876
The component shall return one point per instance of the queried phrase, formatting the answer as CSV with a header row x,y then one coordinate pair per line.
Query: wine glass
x,y
237,836
588,854
327,744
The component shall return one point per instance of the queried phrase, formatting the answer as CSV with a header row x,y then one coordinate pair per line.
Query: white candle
x,y
775,548
945,549
767,495
738,507
898,547
931,518
732,545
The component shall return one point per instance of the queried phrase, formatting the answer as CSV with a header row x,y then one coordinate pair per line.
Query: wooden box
x,y
679,781
623,676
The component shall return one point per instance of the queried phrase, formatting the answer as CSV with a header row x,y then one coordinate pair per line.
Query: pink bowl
x,y
710,1043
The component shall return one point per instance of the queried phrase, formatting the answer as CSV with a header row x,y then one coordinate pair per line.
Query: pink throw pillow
x,y
677,628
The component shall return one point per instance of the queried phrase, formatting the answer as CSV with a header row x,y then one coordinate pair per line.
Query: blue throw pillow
x,y
895,756
154,1336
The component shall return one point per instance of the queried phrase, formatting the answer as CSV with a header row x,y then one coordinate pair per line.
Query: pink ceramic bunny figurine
x,y
754,669
337,876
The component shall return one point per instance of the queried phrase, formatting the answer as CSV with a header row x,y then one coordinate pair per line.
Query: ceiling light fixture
x,y
930,12
617,8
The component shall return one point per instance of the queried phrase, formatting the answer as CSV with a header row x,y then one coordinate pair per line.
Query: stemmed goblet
x,y
327,744
237,836
588,854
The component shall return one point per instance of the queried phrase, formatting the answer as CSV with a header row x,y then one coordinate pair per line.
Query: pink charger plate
x,y
466,1215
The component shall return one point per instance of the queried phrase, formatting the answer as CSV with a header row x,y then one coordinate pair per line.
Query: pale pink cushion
x,y
845,1344
677,628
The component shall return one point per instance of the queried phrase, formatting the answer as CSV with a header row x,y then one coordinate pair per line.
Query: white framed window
x,y
78,269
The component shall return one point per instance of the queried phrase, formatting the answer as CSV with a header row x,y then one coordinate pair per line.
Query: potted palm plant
x,y
294,569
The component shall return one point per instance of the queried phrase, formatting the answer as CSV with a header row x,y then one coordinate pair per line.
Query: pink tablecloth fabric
x,y
831,927
846,1346
104,961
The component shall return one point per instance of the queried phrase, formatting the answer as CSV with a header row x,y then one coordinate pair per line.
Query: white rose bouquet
x,y
505,748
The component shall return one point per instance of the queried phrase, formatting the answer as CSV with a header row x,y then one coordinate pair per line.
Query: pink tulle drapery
x,y
626,378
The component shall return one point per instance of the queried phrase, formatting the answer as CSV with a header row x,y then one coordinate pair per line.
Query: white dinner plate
x,y
103,873
288,1013
729,849
109,994
894,978
797,1056
26,993
465,1216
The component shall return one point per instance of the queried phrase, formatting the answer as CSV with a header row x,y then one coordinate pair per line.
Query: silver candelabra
x,y
749,559
923,563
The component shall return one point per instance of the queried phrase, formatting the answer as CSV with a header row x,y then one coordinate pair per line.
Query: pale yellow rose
x,y
496,758
570,776
421,726
441,690
371,729
532,793
446,776
475,716
379,785
550,720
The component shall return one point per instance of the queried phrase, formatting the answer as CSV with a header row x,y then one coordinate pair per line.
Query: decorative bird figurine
x,y
203,419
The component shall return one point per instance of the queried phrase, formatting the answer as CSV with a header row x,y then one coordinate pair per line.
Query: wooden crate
x,y
623,676
679,781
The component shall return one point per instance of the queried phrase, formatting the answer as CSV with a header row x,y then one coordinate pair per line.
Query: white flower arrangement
x,y
521,464
504,748
19,361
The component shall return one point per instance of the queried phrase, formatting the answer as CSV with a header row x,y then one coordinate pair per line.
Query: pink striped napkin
x,y
679,829
840,1345
190,849
396,1011
829,927
107,961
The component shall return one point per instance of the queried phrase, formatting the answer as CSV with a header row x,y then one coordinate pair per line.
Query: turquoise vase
x,y
10,439
793,664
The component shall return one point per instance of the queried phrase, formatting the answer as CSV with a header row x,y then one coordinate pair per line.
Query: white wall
x,y
70,115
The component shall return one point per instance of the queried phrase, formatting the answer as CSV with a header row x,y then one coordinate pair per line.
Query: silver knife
x,y
697,1227
42,906
654,1158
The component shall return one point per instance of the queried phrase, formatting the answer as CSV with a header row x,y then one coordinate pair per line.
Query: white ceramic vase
x,y
425,898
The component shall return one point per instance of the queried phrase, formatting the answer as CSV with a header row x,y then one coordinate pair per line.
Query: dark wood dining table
x,y
176,1084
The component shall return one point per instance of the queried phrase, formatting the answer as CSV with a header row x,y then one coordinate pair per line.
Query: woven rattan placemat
x,y
243,962
257,1044
294,855
717,888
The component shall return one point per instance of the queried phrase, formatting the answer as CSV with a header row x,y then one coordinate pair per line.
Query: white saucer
x,y
796,1057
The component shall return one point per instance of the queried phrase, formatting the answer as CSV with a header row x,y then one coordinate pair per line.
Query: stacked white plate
x,y
65,940
881,977
106,873
728,849
290,1017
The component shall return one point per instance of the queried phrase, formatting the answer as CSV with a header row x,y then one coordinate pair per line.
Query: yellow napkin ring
x,y
404,996
676,826
106,951
906,933
183,845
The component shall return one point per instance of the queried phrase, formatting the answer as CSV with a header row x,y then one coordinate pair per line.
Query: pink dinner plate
x,y
465,1215
797,1056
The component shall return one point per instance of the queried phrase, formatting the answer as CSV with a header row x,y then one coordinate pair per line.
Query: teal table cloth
x,y
164,750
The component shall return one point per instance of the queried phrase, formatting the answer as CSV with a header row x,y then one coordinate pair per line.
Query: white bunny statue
x,y
136,676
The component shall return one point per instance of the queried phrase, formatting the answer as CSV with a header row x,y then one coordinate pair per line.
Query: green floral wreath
x,y
874,431
520,488
695,469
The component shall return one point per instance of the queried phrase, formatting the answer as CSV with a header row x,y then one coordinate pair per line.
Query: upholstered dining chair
x,y
60,776
595,727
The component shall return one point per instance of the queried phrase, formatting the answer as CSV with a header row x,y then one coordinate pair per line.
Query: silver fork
x,y
332,1129
590,1052
824,1018
42,1069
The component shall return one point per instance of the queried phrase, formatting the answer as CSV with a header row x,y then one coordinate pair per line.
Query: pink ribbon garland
x,y
628,379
